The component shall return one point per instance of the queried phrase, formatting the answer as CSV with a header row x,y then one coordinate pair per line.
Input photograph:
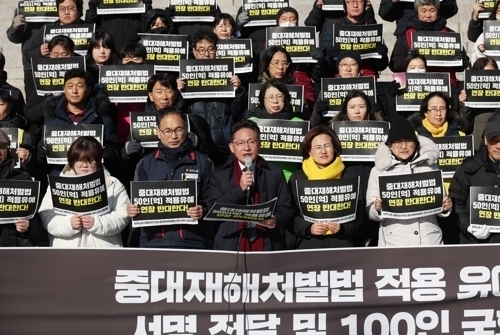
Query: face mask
x,y
416,71
287,24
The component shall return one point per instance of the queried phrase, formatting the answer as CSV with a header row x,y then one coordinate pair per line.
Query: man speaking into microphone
x,y
245,179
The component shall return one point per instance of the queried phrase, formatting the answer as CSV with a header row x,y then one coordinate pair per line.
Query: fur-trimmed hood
x,y
455,124
97,102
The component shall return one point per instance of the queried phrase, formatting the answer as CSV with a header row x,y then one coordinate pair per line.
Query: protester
x,y
229,184
173,160
191,28
101,51
17,105
86,231
225,27
475,28
158,22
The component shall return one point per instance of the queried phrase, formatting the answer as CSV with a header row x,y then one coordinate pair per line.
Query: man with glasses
x,y
234,183
175,159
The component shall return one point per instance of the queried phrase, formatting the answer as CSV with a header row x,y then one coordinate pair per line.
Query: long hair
x,y
342,115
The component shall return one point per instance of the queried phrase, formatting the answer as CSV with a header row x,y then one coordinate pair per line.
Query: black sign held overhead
x,y
193,10
488,9
296,93
163,202
18,200
332,200
144,129
207,78
79,33
364,39
126,83
360,139
491,35
298,41
38,11
58,139
482,88
238,49
48,73
408,196
263,12
84,194
452,151
485,208
439,48
334,90
331,5
241,213
281,140
165,51
16,136
109,7
418,85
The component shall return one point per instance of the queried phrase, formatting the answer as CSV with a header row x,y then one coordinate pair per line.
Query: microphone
x,y
248,167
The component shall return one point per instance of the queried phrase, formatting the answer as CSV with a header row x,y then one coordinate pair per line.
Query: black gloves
x,y
317,54
133,147
392,88
108,152
321,107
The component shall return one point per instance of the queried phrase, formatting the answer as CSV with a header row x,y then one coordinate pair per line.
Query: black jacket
x,y
15,93
474,30
474,171
455,125
271,183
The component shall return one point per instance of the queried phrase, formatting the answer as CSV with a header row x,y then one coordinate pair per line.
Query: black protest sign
x,y
81,35
143,128
409,196
365,39
418,85
193,10
296,93
126,83
334,90
452,151
482,88
485,208
16,136
38,11
491,35
48,73
18,199
241,213
84,194
207,78
281,140
439,48
165,51
360,139
238,49
110,7
164,202
263,12
58,139
488,6
297,41
332,200
331,5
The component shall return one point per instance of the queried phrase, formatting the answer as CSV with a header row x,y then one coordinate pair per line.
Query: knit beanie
x,y
286,10
401,130
349,54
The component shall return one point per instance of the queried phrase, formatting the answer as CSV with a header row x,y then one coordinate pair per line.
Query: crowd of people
x,y
213,138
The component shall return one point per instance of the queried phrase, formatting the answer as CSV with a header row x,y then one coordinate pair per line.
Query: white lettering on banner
x,y
167,324
477,280
478,327
308,324
252,324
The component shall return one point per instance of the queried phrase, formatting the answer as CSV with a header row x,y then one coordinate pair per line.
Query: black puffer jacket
x,y
456,125
151,17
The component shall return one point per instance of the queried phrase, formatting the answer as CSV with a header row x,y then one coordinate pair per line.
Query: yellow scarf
x,y
436,132
332,171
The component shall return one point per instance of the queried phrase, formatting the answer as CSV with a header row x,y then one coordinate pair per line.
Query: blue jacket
x,y
156,166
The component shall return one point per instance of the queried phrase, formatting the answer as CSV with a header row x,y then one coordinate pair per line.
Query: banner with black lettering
x,y
281,140
111,7
331,200
238,49
193,10
485,208
488,6
418,85
48,73
126,83
165,51
452,152
360,139
241,213
164,202
365,39
439,48
38,10
79,33
334,90
58,139
482,88
296,93
332,5
18,199
297,41
144,129
263,12
412,195
207,78
16,136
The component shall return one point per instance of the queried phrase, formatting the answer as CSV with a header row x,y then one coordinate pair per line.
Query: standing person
x,y
475,28
174,158
225,27
231,183
17,105
478,50
87,231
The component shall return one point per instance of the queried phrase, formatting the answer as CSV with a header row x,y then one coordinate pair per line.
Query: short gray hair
x,y
435,3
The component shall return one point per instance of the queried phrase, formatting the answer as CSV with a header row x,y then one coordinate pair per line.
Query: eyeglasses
x,y
344,66
80,163
168,132
441,110
282,64
319,148
70,9
4,147
250,143
279,97
399,144
210,50
355,2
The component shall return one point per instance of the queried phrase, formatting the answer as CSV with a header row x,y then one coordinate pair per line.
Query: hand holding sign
x,y
23,154
22,225
235,80
76,221
378,204
269,223
88,222
196,212
447,204
44,49
133,210
18,21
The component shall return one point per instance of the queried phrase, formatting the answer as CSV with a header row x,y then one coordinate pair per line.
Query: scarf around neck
x,y
332,171
436,132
